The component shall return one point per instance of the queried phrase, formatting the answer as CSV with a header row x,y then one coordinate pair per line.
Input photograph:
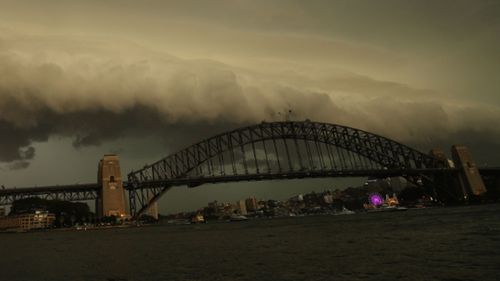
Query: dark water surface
x,y
461,243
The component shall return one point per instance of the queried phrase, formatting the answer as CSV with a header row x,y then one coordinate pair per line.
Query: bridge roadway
x,y
91,191
193,182
76,192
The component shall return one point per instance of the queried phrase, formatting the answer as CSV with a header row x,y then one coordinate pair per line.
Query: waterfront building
x,y
328,199
229,209
212,206
312,199
261,204
297,198
24,222
337,194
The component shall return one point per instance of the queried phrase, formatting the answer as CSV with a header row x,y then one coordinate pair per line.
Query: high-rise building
x,y
112,199
241,207
251,204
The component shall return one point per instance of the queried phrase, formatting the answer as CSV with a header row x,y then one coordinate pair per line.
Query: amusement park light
x,y
376,199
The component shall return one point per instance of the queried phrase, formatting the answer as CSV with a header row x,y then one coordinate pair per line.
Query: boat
x,y
344,211
235,217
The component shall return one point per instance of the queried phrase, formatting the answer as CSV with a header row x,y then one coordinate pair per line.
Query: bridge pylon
x,y
111,201
465,183
469,178
446,185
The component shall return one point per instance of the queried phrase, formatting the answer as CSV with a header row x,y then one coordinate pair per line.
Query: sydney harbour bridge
x,y
277,151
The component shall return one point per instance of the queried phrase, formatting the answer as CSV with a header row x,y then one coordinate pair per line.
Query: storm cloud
x,y
95,71
94,94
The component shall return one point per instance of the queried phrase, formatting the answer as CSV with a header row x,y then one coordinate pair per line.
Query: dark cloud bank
x,y
92,96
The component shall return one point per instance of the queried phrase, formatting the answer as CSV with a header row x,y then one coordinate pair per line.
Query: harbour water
x,y
458,243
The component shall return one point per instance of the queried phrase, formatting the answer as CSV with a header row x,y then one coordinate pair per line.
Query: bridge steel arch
x,y
242,154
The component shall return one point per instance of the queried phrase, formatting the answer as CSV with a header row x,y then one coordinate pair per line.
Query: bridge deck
x,y
90,191
76,192
50,189
193,182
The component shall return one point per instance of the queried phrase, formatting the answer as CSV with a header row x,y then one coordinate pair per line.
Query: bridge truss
x,y
78,192
279,150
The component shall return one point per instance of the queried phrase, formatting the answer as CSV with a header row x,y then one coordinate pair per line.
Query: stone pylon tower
x,y
469,177
112,200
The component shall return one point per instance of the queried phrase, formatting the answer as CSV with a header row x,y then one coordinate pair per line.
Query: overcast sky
x,y
145,78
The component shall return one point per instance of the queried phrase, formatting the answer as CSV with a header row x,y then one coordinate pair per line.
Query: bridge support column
x,y
470,180
112,199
